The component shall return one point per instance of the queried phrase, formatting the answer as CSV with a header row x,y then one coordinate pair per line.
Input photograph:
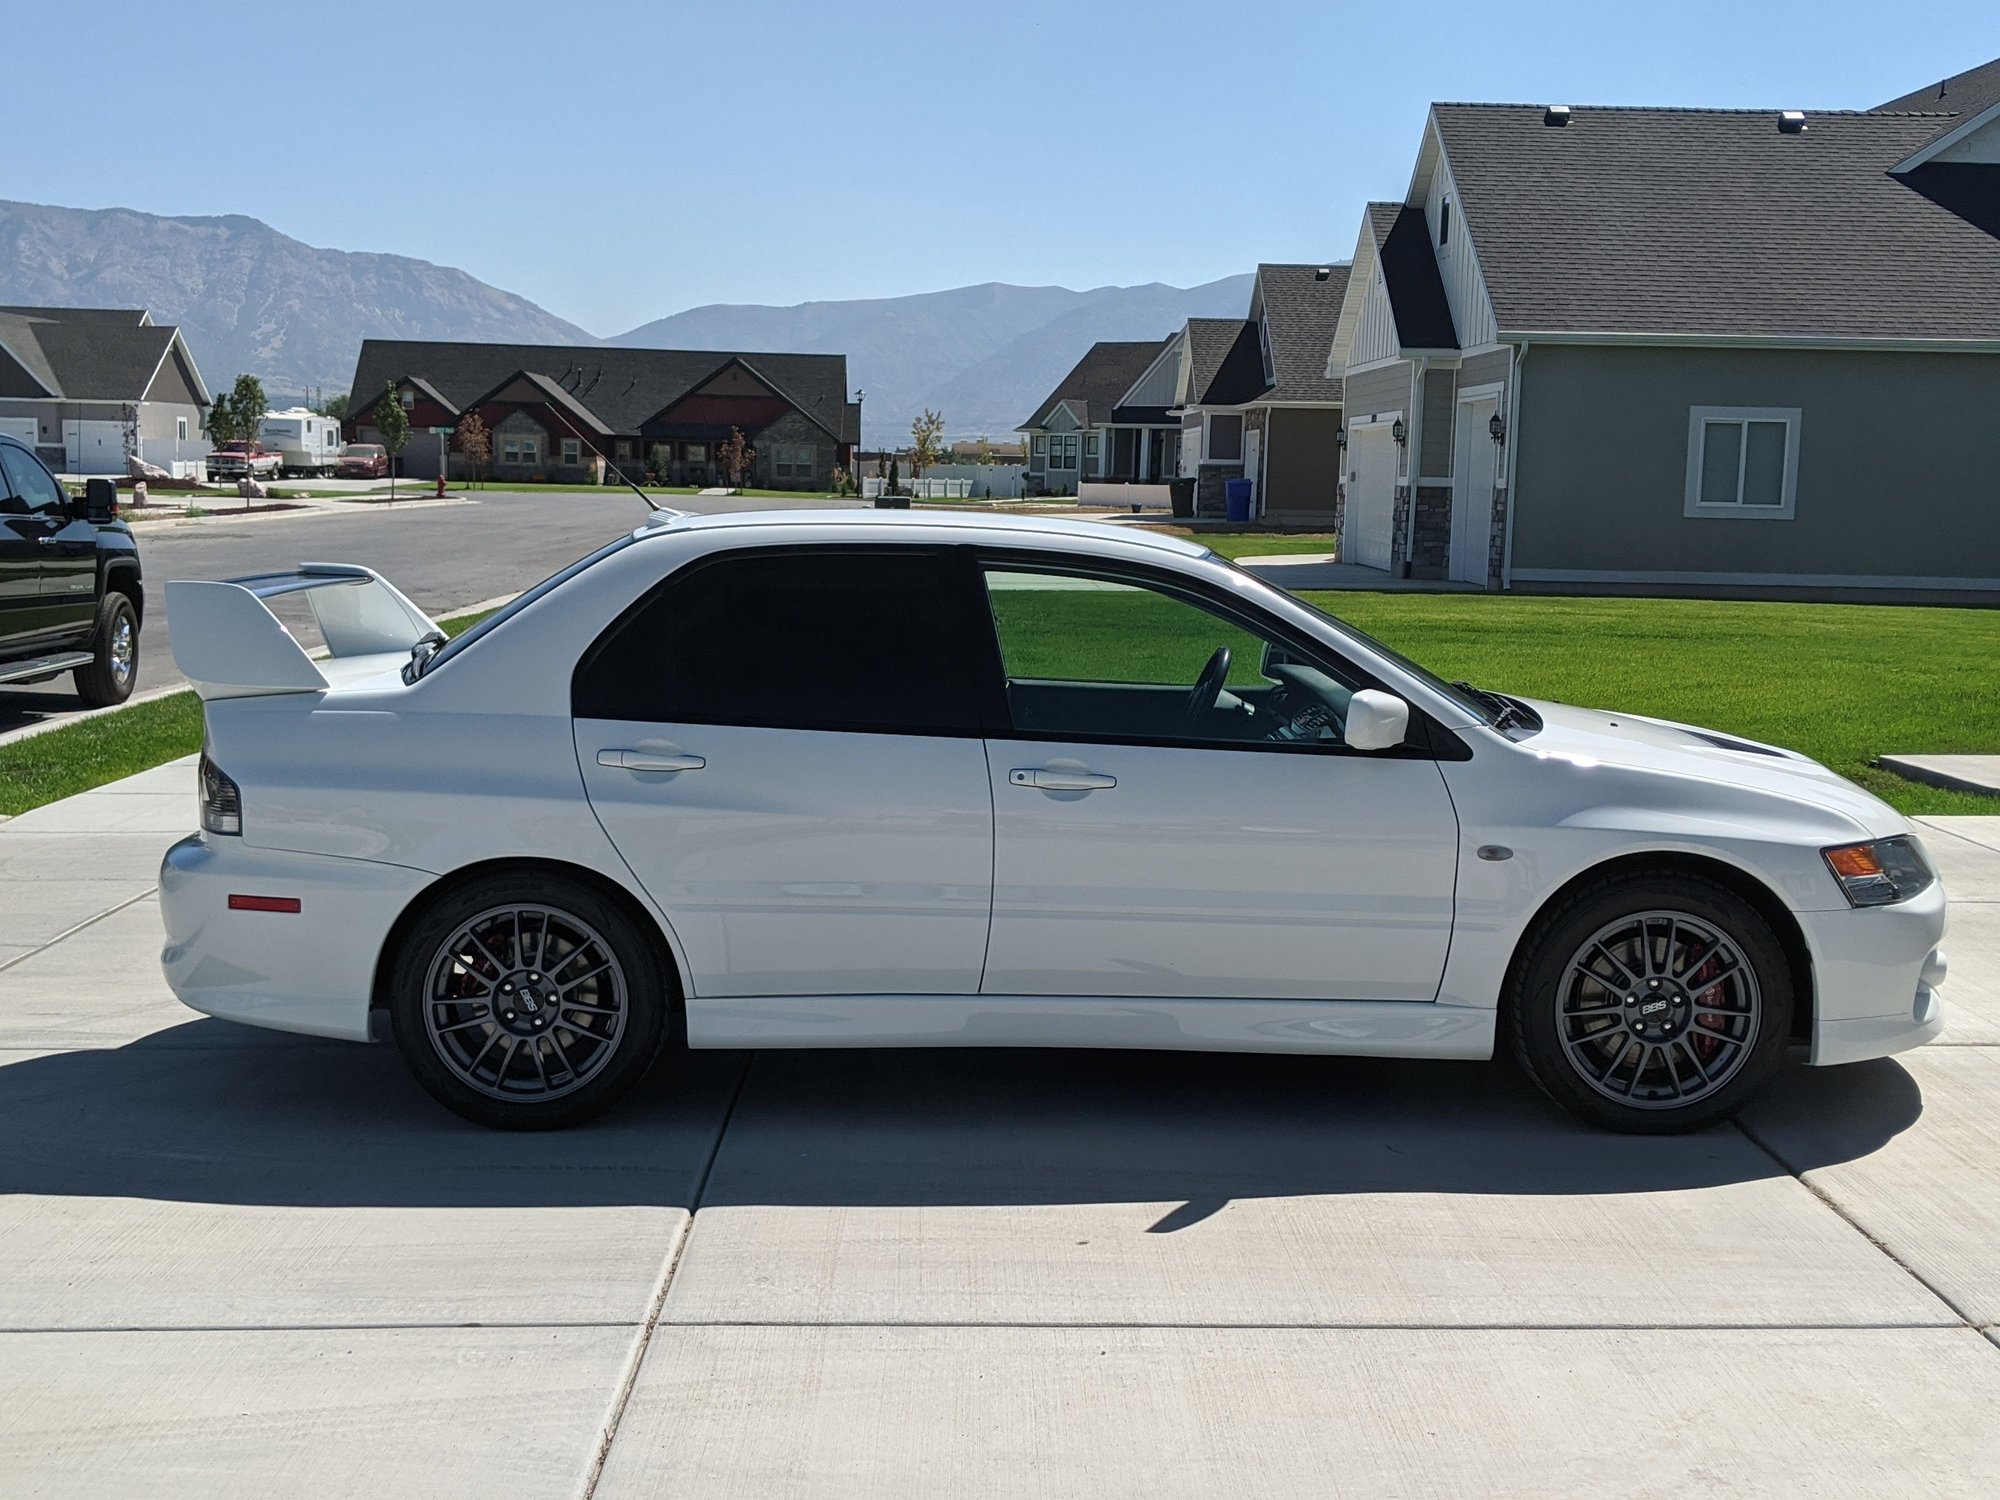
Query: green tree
x,y
247,397
475,443
394,425
334,406
222,420
926,442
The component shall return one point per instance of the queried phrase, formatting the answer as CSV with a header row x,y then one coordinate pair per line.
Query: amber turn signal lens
x,y
1855,862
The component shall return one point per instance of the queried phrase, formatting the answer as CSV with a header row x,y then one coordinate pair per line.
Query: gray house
x,y
1106,423
90,387
1726,352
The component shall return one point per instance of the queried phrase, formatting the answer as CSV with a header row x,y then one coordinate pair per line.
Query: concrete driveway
x,y
244,1264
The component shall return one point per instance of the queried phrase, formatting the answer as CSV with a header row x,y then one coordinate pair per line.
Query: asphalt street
x,y
445,557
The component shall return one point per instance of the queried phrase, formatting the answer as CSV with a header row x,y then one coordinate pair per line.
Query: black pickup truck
x,y
70,596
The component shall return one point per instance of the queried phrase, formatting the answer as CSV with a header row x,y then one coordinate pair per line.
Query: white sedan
x,y
866,779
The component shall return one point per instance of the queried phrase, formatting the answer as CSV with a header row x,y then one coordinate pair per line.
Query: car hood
x,y
1591,736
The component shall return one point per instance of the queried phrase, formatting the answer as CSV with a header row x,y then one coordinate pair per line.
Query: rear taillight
x,y
221,802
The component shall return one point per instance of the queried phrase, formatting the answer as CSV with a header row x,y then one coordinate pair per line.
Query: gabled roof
x,y
1301,307
1097,381
1410,272
1972,92
622,387
91,353
552,394
1225,362
423,388
1714,223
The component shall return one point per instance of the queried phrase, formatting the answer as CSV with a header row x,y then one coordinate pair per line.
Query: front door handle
x,y
650,760
1061,781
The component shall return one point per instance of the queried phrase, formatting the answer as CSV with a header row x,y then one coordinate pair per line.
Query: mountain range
x,y
249,298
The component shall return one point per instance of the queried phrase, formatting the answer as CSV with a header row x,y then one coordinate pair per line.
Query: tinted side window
x,y
29,480
885,642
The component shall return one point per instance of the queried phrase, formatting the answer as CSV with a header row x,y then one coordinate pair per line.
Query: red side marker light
x,y
264,903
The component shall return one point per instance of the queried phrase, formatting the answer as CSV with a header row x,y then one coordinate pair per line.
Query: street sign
x,y
443,431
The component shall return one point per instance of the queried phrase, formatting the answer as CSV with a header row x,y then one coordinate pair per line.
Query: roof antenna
x,y
623,477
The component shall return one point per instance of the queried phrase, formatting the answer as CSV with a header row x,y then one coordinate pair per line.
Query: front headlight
x,y
1875,874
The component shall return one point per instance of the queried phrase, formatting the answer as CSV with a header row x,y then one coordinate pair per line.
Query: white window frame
x,y
408,398
520,449
1735,510
1063,450
180,429
572,452
1041,444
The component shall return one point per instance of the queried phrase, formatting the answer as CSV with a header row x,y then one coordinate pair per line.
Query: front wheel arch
x,y
610,890
1740,882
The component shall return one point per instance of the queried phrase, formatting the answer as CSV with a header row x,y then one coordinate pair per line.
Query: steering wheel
x,y
1207,689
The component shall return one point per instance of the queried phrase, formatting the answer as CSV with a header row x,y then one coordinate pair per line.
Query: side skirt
x,y
1365,1028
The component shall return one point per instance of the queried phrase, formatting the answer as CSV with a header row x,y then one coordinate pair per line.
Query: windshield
x,y
1472,703
507,611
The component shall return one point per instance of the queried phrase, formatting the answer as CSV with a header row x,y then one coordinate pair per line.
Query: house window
x,y
1090,445
1225,438
697,453
572,452
515,449
409,399
181,429
789,462
1743,461
1041,444
1444,223
623,449
1062,450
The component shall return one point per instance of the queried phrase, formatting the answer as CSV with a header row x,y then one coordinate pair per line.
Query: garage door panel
x,y
1371,500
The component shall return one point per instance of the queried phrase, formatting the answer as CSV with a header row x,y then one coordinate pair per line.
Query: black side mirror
x,y
100,500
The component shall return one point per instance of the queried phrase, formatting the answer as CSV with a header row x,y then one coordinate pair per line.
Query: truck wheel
x,y
114,664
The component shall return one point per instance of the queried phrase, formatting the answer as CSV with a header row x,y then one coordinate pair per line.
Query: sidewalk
x,y
246,1263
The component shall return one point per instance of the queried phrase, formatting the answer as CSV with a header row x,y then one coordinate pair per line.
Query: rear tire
x,y
527,1001
114,664
1651,1003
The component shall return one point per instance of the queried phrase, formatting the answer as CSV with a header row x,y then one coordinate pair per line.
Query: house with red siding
x,y
589,415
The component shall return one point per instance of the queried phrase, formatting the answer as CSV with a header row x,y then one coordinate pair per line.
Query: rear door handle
x,y
1061,781
650,760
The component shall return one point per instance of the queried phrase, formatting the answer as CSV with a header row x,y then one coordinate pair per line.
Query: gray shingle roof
x,y
1228,355
620,387
1095,382
1410,271
86,353
1968,93
1301,311
1713,222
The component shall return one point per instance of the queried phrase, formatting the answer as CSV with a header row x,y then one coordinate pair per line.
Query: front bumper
x,y
1876,971
312,971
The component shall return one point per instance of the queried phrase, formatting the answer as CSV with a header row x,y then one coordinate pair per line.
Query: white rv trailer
x,y
308,443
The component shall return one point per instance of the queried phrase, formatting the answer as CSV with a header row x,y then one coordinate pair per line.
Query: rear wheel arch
x,y
1733,878
123,578
635,909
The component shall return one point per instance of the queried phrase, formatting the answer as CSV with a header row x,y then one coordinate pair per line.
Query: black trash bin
x,y
1183,498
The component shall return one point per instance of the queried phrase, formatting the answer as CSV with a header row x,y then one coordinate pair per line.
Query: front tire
x,y
527,1001
114,663
1651,1003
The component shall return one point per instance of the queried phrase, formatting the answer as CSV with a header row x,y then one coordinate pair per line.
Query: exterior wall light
x,y
1340,437
1400,432
1497,429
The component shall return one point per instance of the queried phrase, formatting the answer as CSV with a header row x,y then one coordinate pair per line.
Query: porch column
x,y
1145,446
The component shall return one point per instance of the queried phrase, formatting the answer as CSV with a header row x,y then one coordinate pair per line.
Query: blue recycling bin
x,y
1236,499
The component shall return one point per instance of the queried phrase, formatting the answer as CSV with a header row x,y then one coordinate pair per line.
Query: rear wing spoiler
x,y
230,645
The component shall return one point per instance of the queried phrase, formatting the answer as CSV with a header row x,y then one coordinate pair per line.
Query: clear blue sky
x,y
619,161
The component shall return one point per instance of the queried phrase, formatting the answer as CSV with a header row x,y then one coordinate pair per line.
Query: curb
x,y
304,509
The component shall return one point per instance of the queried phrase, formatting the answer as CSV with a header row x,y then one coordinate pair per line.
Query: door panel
x,y
69,579
806,862
1220,873
1472,492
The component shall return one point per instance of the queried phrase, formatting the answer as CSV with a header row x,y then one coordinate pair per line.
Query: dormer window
x,y
1444,224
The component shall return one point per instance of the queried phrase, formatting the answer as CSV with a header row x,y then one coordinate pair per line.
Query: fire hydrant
x,y
440,488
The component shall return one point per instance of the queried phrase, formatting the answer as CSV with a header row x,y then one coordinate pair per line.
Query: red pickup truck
x,y
243,461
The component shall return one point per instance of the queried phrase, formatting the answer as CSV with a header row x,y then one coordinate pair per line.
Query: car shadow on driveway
x,y
207,1112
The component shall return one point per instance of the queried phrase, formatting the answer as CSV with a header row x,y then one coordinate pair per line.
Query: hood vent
x,y
1725,742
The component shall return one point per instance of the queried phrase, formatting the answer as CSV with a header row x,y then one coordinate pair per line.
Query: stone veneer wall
x,y
1430,547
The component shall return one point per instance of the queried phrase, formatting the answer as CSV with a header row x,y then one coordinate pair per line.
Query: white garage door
x,y
1371,497
94,447
19,427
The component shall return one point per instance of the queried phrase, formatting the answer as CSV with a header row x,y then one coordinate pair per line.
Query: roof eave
x,y
1696,340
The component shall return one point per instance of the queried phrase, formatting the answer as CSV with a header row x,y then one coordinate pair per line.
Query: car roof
x,y
988,527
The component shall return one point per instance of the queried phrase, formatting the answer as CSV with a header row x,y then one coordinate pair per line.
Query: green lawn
x,y
91,753
1842,683
1235,544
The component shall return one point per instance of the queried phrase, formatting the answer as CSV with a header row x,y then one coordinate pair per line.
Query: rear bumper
x,y
310,971
1876,972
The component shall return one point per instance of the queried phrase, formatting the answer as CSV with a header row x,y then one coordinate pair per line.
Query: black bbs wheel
x,y
527,1001
1651,1003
